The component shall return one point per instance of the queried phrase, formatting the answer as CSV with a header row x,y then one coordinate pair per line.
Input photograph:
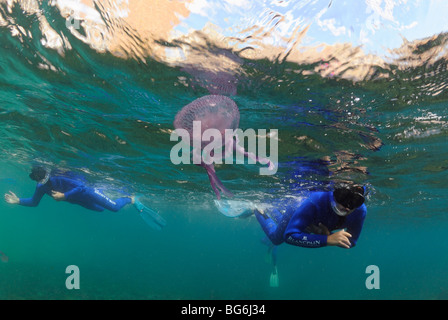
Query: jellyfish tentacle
x,y
215,182
252,156
212,178
221,187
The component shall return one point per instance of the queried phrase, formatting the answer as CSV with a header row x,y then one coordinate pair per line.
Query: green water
x,y
201,255
109,119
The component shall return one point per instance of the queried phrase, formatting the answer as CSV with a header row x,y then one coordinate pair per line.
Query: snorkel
x,y
45,179
341,213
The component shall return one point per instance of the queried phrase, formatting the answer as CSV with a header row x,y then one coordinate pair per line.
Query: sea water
x,y
105,112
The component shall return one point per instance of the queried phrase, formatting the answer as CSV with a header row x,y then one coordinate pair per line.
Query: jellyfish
x,y
213,112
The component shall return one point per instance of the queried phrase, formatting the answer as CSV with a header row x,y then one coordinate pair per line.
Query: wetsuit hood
x,y
40,174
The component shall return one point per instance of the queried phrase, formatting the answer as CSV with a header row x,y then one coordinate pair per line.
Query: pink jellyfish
x,y
213,112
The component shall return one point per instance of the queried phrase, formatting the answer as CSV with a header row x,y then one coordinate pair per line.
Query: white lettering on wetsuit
x,y
98,192
304,242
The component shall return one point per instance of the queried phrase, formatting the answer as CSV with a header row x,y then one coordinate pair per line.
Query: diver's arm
x,y
355,223
69,194
35,199
74,188
340,238
297,230
306,240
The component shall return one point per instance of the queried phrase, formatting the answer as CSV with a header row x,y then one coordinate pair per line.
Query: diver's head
x,y
347,198
40,174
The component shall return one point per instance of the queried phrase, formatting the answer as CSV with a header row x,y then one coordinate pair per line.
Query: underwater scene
x,y
119,180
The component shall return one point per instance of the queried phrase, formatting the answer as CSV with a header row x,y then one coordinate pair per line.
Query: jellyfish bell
x,y
213,111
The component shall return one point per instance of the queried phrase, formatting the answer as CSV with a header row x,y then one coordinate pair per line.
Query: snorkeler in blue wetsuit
x,y
63,188
72,190
323,219
311,223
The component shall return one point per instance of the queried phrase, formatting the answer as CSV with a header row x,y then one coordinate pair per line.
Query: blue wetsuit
x,y
75,192
290,225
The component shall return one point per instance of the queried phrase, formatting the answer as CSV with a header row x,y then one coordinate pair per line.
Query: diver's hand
x,y
58,196
340,239
11,198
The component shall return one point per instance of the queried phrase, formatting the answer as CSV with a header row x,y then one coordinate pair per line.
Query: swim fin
x,y
152,218
273,281
235,208
269,257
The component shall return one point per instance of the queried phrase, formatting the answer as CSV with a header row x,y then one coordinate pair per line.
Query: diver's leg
x,y
273,280
274,255
270,227
102,200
